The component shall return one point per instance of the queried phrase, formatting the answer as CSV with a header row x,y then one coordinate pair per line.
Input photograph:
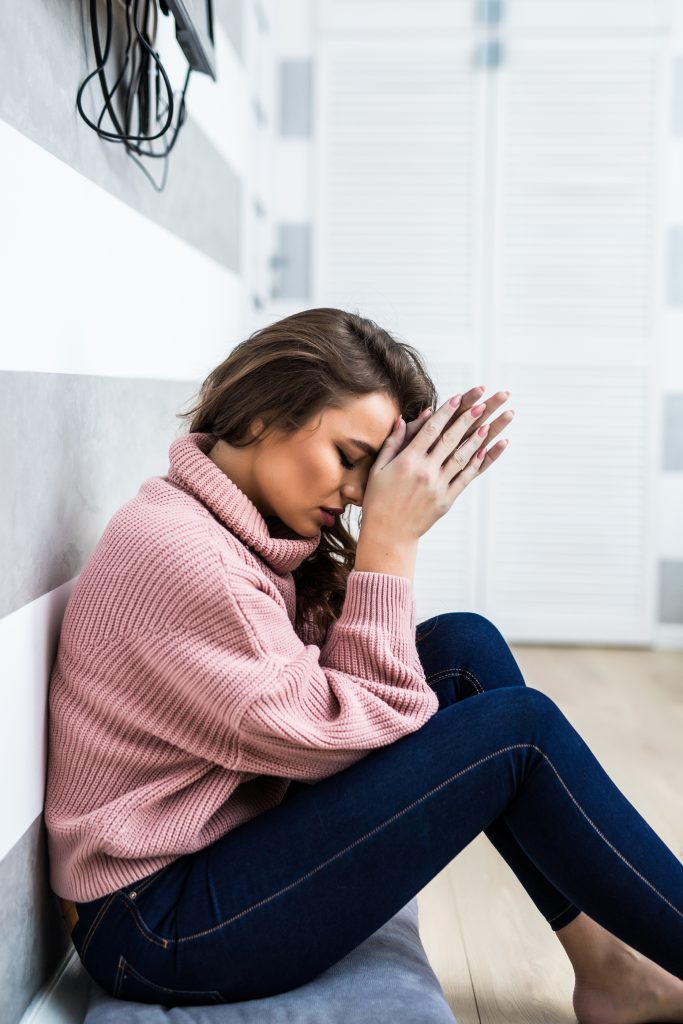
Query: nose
x,y
353,494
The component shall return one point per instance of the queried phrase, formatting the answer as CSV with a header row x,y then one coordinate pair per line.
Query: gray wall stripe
x,y
671,592
293,261
36,937
678,96
295,98
675,259
75,448
45,53
230,15
673,432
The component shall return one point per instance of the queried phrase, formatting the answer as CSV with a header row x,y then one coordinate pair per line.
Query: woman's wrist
x,y
382,552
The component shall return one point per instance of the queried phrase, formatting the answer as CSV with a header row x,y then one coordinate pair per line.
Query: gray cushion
x,y
386,979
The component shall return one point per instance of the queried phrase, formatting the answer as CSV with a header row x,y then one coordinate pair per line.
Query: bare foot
x,y
624,987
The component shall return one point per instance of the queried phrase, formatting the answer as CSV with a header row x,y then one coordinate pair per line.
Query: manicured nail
x,y
455,400
477,410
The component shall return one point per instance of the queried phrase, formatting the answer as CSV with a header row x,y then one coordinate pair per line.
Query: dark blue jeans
x,y
278,900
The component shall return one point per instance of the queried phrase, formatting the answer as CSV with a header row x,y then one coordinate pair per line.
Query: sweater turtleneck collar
x,y
192,469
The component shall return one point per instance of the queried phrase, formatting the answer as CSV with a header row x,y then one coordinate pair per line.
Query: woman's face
x,y
322,464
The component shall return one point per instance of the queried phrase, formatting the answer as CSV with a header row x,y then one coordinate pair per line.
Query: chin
x,y
279,526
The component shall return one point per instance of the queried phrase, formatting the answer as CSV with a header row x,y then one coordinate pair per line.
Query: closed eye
x,y
344,461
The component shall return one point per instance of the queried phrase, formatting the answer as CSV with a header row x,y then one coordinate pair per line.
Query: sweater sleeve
x,y
311,712
221,674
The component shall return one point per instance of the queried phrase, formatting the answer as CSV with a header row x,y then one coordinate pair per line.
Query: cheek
x,y
314,472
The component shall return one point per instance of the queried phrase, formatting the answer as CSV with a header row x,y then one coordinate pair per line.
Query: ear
x,y
255,427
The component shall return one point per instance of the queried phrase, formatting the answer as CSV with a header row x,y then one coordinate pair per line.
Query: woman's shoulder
x,y
161,555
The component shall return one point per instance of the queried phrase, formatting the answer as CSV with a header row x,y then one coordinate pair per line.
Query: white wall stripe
x,y
28,644
222,108
74,245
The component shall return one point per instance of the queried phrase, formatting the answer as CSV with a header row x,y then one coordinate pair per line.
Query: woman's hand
x,y
469,399
424,465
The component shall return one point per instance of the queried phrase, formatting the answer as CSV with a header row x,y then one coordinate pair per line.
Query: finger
x,y
475,467
413,426
458,459
426,438
392,445
496,426
490,406
448,441
491,455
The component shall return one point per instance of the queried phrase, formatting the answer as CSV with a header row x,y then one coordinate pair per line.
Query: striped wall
x,y
669,490
116,301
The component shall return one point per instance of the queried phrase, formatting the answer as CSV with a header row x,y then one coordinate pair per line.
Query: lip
x,y
329,516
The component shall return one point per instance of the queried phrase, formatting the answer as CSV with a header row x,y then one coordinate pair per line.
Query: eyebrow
x,y
364,445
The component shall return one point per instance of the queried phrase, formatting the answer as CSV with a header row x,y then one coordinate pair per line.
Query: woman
x,y
256,760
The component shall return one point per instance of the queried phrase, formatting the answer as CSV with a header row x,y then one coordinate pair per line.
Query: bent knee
x,y
471,626
530,703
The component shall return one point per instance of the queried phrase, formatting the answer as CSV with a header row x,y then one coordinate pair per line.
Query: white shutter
x,y
398,126
568,521
504,221
447,569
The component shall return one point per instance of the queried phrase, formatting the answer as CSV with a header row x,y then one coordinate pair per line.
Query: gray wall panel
x,y
295,98
230,16
294,261
75,448
39,79
35,937
673,433
671,592
675,295
678,96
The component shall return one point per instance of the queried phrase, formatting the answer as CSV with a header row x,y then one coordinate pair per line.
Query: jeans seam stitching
x,y
399,814
444,673
514,746
147,933
339,853
605,839
422,636
139,976
146,882
98,918
570,906
117,979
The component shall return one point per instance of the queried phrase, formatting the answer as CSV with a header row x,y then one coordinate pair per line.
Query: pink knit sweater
x,y
182,701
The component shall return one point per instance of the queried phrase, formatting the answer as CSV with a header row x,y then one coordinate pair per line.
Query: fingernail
x,y
477,410
455,400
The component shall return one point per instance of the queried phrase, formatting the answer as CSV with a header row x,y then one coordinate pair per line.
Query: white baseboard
x,y
64,999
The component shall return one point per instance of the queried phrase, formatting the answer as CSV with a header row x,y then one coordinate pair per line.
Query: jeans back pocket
x,y
131,985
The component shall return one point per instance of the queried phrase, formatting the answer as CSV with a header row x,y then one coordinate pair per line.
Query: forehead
x,y
373,414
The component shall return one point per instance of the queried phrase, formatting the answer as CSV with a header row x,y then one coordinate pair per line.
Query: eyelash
x,y
344,461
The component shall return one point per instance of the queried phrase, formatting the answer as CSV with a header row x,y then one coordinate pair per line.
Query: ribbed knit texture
x,y
182,700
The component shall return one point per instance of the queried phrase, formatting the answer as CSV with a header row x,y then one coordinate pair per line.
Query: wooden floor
x,y
495,956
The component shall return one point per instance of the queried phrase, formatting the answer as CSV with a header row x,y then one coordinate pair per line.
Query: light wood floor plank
x,y
496,958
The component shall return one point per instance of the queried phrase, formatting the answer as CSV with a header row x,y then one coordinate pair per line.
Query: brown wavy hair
x,y
288,372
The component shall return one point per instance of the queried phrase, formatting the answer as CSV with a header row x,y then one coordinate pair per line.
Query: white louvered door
x,y
399,202
573,335
518,254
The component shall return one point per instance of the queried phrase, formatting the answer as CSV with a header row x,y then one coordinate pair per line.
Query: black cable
x,y
129,40
138,67
119,135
